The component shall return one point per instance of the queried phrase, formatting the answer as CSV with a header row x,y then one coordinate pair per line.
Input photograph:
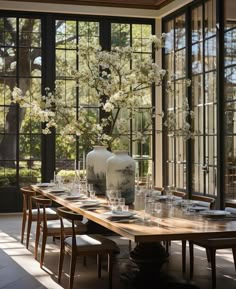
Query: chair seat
x,y
217,243
54,227
51,214
92,243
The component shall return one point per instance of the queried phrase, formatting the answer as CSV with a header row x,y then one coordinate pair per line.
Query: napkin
x,y
231,210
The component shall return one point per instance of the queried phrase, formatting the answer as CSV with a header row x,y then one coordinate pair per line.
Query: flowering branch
x,y
119,79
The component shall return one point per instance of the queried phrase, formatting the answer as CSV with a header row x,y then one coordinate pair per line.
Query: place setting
x,y
118,211
45,185
216,214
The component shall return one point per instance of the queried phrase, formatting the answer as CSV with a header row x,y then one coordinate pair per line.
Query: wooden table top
x,y
174,224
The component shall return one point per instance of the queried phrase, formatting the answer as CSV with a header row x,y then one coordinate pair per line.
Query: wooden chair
x,y
83,245
211,245
30,214
50,227
202,201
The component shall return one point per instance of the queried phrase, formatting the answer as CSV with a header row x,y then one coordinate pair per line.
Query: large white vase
x,y
96,168
121,175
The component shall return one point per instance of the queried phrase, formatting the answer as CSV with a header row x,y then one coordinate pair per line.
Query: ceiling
x,y
136,4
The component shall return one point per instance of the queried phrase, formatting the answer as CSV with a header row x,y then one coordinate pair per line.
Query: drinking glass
x,y
186,204
125,208
156,210
90,190
90,187
148,208
121,203
58,181
92,194
114,204
113,194
169,199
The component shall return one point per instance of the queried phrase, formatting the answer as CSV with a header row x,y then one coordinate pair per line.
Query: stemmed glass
x,y
91,192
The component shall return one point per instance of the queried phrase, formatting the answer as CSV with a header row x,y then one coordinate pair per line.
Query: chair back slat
x,y
160,189
27,193
42,202
179,194
65,213
68,214
230,204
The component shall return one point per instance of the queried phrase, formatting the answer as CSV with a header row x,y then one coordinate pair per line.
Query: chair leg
x,y
99,265
61,260
234,255
184,256
208,253
37,235
23,227
28,231
110,268
44,241
130,246
213,267
85,261
72,270
167,246
191,259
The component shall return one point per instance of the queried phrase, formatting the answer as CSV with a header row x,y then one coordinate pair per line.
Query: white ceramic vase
x,y
121,175
96,168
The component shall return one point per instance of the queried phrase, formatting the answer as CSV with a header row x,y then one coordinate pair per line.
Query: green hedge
x,y
27,176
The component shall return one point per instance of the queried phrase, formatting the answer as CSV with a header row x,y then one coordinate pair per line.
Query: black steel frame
x,y
48,77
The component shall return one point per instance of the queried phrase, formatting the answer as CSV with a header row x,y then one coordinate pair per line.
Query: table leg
x,y
145,266
143,270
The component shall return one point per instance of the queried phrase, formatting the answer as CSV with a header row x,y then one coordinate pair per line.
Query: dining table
x,y
172,223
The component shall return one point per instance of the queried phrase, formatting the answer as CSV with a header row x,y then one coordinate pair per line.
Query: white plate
x,y
72,198
214,213
198,208
45,185
119,214
89,203
161,197
55,190
75,197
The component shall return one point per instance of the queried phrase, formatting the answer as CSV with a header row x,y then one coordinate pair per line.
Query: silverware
x,y
133,220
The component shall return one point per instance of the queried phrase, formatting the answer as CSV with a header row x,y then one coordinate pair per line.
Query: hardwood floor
x,y
19,269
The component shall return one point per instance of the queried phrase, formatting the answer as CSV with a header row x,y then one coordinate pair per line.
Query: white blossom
x,y
108,107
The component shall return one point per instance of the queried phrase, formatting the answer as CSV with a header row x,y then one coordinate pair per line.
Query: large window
x,y
230,100
34,53
68,34
20,136
175,63
191,53
204,102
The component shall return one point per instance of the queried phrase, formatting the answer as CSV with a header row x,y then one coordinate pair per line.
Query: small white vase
x,y
96,168
121,175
